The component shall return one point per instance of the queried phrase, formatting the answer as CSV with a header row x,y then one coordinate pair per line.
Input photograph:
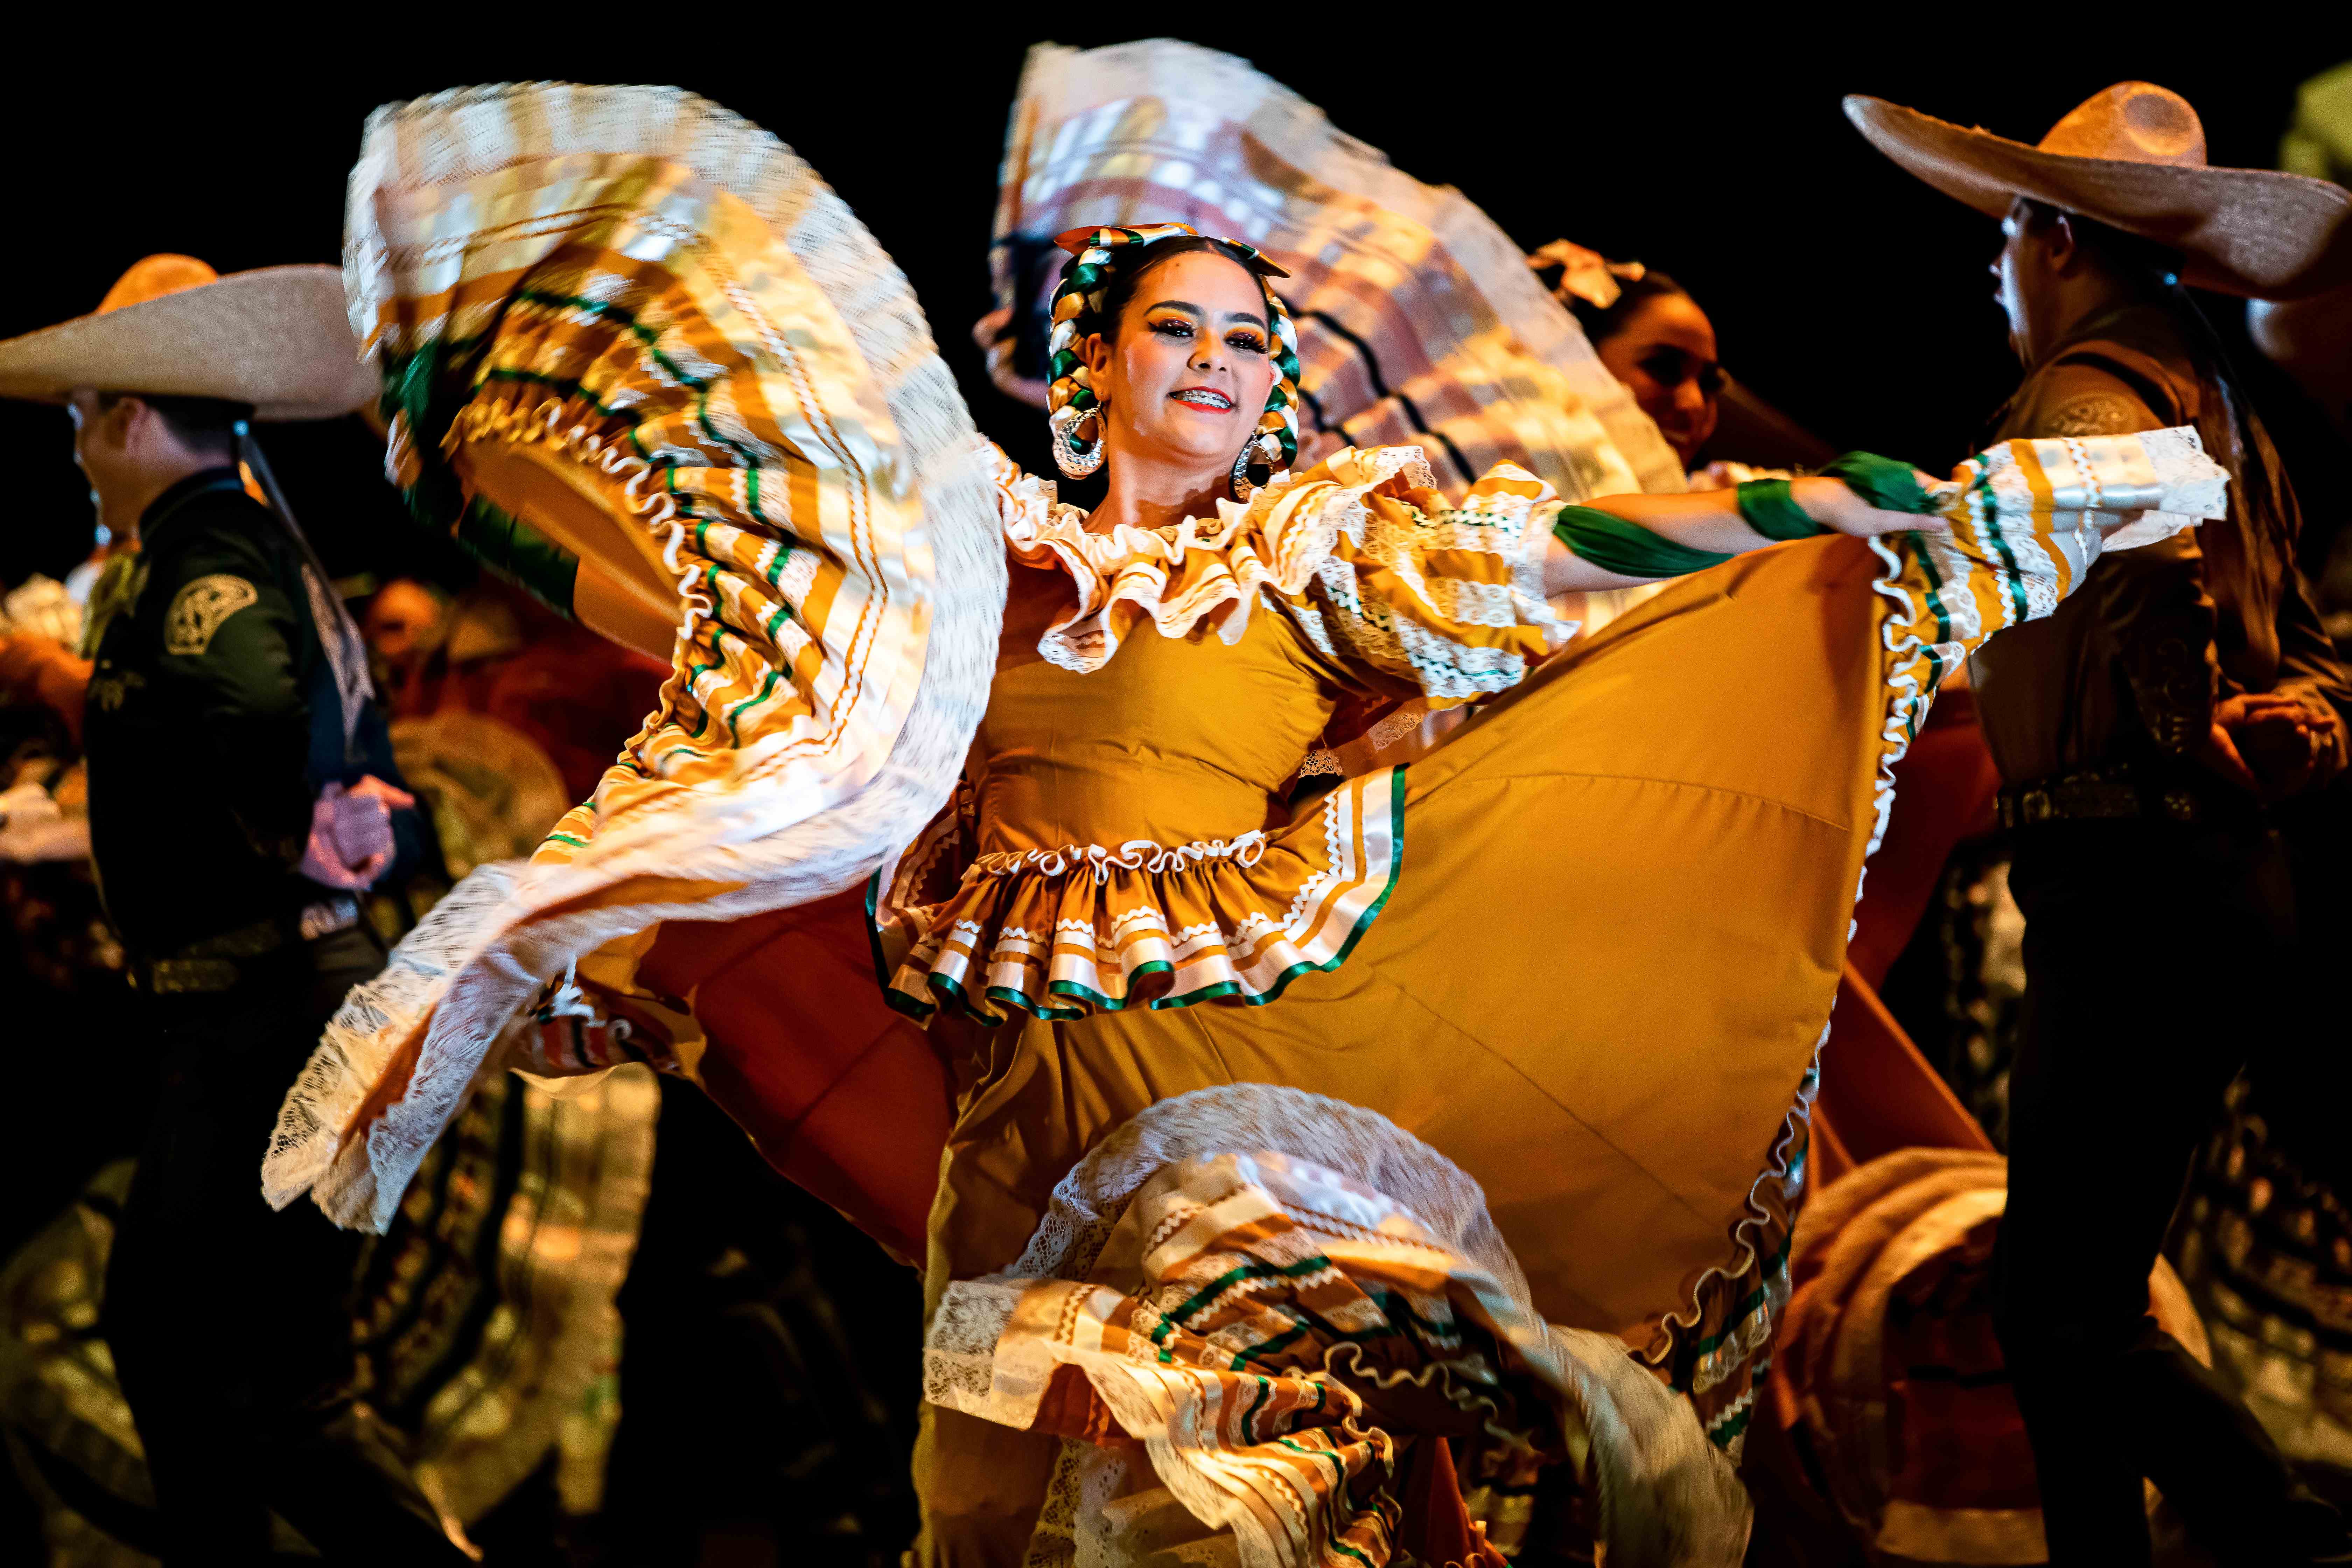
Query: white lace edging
x,y
773,846
1375,1153
369,1027
1284,541
1134,565
1667,1497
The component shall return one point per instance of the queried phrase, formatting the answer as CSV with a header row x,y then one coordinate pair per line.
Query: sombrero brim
x,y
2242,231
277,338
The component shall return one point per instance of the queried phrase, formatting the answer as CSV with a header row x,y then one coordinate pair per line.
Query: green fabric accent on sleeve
x,y
1769,508
519,553
1625,548
1883,482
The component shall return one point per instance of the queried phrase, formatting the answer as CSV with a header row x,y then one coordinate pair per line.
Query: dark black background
x,y
1849,294
1845,293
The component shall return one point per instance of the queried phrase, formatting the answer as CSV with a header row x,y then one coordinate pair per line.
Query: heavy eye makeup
x,y
1178,325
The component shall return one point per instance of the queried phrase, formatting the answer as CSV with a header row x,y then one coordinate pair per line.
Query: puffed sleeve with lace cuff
x,y
1441,600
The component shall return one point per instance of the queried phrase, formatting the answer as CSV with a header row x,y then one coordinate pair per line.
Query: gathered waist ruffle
x,y
1066,931
1146,855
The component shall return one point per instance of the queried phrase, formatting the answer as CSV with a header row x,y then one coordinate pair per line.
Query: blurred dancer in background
x,y
1654,338
2140,732
233,881
1649,332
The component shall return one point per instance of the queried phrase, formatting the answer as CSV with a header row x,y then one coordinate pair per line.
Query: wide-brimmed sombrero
x,y
279,338
2133,157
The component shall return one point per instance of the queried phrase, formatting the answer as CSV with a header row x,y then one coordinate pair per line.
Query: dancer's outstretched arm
x,y
1618,541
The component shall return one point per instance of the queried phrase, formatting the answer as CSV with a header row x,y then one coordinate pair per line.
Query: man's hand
x,y
2291,744
2273,745
350,833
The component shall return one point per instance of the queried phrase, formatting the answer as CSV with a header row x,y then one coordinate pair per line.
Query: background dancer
x,y
2140,733
237,906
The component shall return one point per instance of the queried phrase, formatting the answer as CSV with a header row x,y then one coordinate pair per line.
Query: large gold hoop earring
x,y
1242,486
1077,458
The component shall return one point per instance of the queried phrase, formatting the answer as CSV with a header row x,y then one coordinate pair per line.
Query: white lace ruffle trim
x,y
1665,1494
782,841
1278,538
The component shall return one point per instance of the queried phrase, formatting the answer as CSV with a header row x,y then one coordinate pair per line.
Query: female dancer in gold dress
x,y
1558,984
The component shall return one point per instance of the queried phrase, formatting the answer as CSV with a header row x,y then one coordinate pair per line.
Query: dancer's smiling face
x,y
1187,376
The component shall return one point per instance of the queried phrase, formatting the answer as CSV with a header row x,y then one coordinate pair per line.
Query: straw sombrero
x,y
277,338
2133,157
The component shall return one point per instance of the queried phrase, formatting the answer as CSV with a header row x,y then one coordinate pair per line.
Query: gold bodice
x,y
1175,740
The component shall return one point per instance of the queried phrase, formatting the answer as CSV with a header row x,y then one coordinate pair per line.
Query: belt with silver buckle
x,y
2100,795
215,964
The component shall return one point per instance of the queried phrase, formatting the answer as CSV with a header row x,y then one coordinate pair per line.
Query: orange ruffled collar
x,y
1201,570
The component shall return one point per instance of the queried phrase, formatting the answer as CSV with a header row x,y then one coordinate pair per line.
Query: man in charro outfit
x,y
2143,733
242,795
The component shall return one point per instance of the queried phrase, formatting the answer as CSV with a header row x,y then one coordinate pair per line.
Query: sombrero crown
x,y
2133,157
277,338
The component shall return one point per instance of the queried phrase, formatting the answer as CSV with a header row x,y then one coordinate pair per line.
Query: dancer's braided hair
x,y
1097,257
